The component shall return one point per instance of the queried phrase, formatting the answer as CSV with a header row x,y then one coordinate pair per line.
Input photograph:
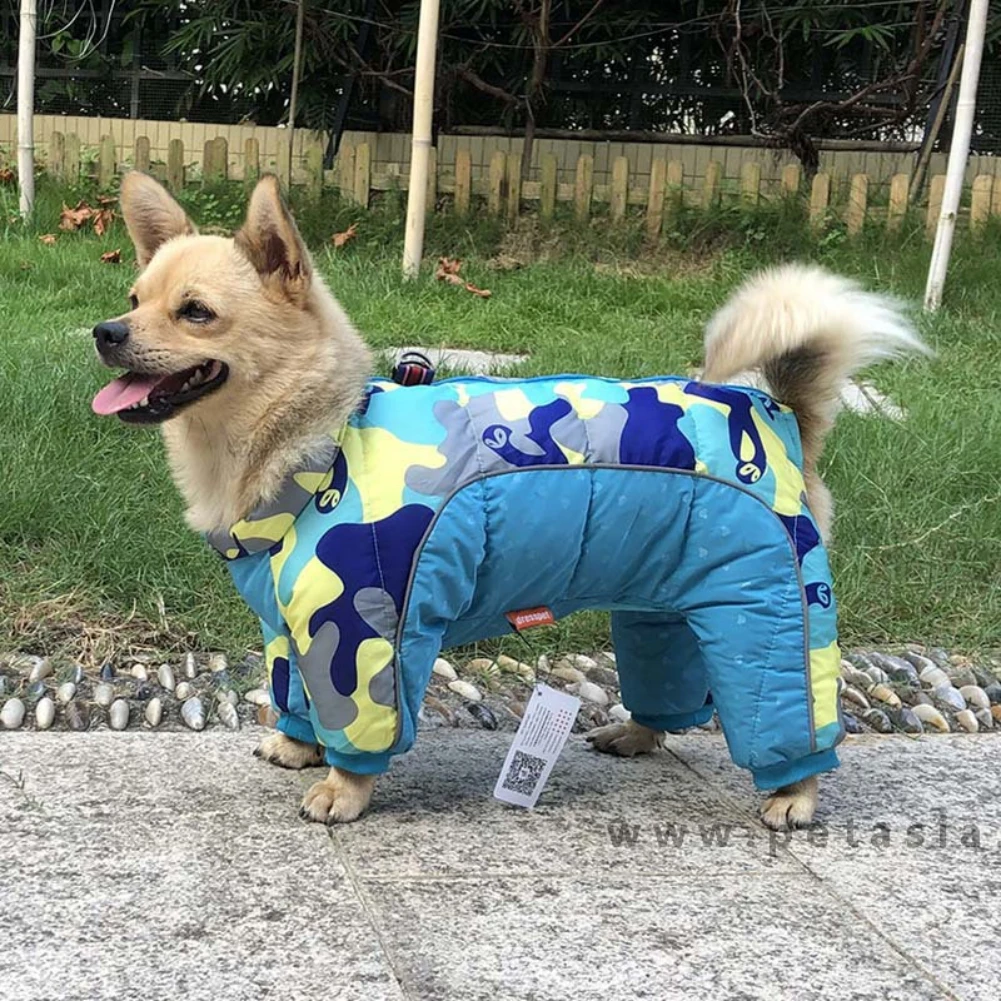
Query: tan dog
x,y
240,351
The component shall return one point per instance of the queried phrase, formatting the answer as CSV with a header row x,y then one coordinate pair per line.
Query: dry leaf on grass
x,y
74,218
6,175
112,257
448,271
48,239
448,266
339,239
102,220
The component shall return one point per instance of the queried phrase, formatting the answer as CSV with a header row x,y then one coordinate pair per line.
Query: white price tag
x,y
543,731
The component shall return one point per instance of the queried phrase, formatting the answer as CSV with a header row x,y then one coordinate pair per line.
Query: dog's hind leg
x,y
286,752
625,739
340,798
663,682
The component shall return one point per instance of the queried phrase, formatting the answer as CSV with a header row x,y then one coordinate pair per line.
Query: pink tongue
x,y
123,392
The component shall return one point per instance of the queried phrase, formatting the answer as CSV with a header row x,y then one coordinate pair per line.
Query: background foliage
x,y
789,71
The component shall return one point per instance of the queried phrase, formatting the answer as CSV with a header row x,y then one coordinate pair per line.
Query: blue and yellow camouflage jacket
x,y
437,510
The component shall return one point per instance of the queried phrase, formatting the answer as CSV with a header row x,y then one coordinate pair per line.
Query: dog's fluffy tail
x,y
807,332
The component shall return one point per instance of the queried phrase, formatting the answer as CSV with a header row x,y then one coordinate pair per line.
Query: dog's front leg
x,y
340,798
286,752
791,806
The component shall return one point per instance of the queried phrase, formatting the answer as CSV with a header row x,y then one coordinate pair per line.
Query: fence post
x,y
463,181
57,156
655,199
363,174
675,187
346,171
750,183
222,157
283,168
513,186
106,162
175,165
710,186
792,177
251,162
583,186
215,161
858,198
314,169
900,186
980,201
495,191
996,197
547,186
820,194
71,170
620,188
141,156
936,190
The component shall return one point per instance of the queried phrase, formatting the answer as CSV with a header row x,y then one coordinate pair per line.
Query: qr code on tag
x,y
524,774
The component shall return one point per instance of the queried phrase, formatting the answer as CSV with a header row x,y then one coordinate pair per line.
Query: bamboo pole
x,y
296,71
26,106
427,43
958,153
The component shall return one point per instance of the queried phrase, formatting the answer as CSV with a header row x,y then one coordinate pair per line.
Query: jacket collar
x,y
267,524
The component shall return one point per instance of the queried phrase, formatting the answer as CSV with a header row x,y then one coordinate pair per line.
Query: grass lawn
x,y
95,557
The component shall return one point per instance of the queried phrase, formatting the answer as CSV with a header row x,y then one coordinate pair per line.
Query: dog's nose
x,y
110,334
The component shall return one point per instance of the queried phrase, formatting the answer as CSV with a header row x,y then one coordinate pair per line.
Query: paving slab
x,y
599,814
758,936
152,866
913,845
171,866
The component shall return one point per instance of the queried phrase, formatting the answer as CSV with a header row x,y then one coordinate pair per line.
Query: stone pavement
x,y
173,866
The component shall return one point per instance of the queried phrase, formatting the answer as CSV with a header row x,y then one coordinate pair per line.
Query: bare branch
x,y
587,17
487,88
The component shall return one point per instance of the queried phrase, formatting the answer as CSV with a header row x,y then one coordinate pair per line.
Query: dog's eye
x,y
196,312
133,302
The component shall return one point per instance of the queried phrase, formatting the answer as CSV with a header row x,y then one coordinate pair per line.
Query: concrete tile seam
x,y
408,989
624,879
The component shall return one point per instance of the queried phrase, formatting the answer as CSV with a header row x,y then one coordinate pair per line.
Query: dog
x,y
315,482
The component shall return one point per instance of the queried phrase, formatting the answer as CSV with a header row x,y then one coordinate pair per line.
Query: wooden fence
x,y
668,185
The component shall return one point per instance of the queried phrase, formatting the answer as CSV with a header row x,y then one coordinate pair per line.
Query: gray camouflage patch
x,y
335,711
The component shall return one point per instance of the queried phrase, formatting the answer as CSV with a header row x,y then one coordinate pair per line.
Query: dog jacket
x,y
437,510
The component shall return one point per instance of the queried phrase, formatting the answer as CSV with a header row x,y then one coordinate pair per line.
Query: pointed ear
x,y
151,215
270,241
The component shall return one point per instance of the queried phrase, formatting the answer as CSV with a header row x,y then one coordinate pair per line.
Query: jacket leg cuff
x,y
366,763
675,721
787,772
297,728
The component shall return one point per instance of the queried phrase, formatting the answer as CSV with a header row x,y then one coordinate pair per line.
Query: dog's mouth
x,y
138,398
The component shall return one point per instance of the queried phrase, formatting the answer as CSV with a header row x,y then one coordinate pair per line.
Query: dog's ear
x,y
270,241
151,215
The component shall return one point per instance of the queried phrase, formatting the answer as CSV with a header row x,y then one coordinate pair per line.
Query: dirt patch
x,y
69,628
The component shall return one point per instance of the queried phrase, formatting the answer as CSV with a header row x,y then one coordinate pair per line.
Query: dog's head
x,y
208,317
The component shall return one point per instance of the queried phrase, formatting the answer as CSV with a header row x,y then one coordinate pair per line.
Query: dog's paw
x,y
285,752
340,798
791,807
625,739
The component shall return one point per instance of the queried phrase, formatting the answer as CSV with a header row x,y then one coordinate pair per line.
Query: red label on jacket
x,y
529,618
